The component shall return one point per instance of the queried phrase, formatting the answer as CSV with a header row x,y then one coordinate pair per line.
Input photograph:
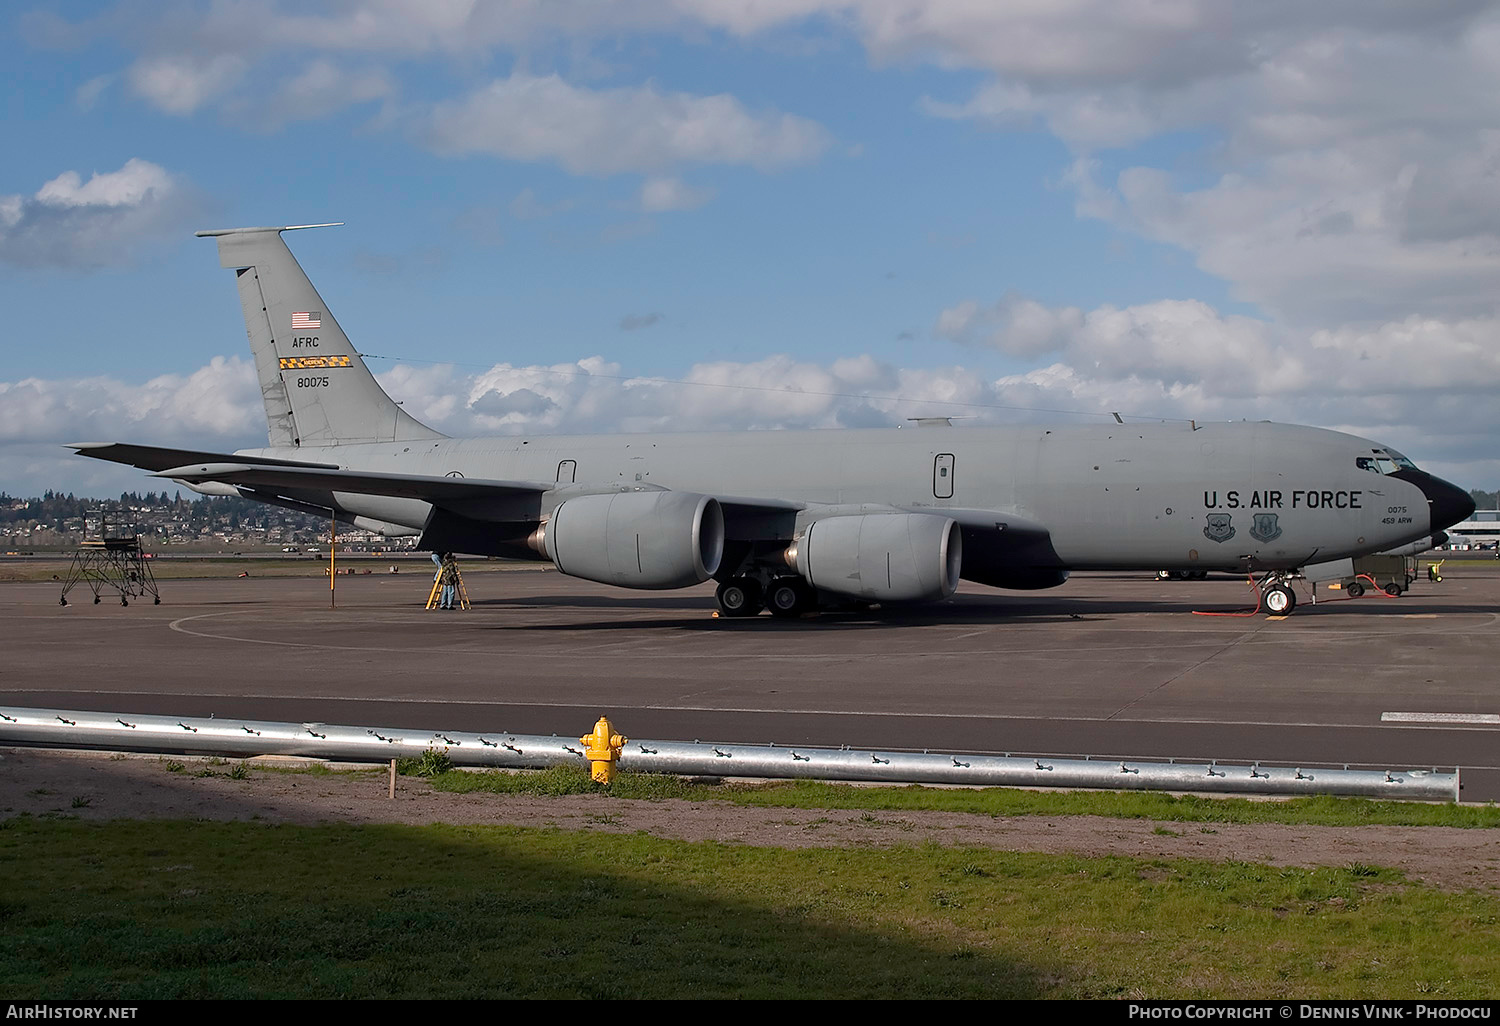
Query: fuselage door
x,y
942,475
566,471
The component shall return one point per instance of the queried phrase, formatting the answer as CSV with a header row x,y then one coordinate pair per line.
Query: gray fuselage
x,y
1218,496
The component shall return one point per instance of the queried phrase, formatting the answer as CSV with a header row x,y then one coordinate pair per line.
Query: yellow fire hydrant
x,y
602,749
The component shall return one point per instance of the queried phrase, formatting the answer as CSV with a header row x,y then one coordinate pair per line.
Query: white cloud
x,y
1351,148
127,187
88,94
522,403
70,222
320,89
608,131
1326,236
180,84
217,404
1421,383
1186,344
1016,326
659,195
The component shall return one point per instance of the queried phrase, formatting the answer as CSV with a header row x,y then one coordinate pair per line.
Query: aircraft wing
x,y
151,457
472,497
306,481
475,497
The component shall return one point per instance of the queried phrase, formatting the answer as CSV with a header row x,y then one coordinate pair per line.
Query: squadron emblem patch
x,y
1265,527
1219,528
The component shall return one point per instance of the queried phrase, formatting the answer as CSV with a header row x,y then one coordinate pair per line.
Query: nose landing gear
x,y
1278,599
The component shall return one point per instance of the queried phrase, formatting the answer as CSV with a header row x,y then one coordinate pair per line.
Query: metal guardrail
x,y
60,728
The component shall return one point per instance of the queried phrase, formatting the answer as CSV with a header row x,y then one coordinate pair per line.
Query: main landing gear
x,y
1181,575
739,596
784,596
790,597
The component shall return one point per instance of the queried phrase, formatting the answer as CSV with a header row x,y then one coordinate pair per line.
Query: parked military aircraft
x,y
780,518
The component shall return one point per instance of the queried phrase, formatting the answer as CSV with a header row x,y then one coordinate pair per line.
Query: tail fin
x,y
316,387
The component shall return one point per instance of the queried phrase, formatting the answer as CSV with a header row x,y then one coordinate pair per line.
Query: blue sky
x,y
1138,206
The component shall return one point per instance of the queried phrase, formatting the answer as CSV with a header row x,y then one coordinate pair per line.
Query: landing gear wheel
x,y
1355,590
739,596
789,597
1393,590
96,600
1279,600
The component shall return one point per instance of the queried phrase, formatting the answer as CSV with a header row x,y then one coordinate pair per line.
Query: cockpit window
x,y
1384,461
1401,461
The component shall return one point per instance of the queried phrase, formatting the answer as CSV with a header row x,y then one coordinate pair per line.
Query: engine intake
x,y
889,557
637,539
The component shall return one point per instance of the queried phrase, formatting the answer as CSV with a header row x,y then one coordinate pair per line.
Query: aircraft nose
x,y
1447,503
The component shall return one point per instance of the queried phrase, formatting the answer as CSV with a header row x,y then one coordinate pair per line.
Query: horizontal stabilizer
x,y
210,233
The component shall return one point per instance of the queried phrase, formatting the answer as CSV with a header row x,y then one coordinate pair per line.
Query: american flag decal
x,y
308,321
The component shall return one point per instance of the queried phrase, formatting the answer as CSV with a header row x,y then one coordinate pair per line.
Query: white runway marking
x,y
1439,717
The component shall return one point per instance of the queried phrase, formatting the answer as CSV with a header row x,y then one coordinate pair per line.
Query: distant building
x,y
1481,530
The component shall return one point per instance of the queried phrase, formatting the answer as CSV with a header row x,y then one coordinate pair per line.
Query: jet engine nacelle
x,y
637,539
887,557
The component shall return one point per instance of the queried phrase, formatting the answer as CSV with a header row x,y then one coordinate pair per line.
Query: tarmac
x,y
1109,665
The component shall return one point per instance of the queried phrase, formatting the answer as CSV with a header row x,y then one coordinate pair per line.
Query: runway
x,y
1107,665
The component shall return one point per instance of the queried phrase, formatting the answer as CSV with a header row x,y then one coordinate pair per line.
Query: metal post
x,y
333,544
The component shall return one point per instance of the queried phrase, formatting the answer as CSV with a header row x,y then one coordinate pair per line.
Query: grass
x,y
1323,811
131,910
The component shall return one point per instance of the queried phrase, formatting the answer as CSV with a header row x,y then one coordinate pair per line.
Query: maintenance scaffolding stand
x,y
111,558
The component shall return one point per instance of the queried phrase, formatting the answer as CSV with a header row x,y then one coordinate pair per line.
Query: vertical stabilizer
x,y
317,389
